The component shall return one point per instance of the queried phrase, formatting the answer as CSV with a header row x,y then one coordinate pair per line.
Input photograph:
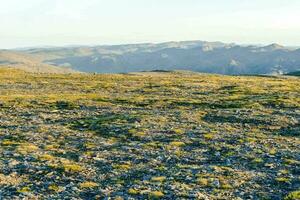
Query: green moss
x,y
72,168
24,190
177,144
156,195
123,166
226,186
158,179
88,185
9,143
54,188
291,162
293,195
133,191
46,157
282,180
203,182
257,160
208,136
26,148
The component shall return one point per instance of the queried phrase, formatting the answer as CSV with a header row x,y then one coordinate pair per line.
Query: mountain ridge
x,y
194,55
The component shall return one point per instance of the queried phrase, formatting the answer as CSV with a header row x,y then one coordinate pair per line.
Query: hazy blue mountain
x,y
200,56
297,73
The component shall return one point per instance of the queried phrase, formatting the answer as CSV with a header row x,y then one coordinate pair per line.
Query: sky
x,y
96,22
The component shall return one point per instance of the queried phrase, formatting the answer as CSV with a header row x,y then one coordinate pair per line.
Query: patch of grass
x,y
25,189
123,166
208,136
176,144
133,191
293,195
203,182
25,148
156,195
257,161
291,162
72,168
9,143
158,179
88,185
54,188
46,157
282,180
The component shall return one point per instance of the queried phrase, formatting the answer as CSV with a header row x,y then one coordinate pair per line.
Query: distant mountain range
x,y
199,56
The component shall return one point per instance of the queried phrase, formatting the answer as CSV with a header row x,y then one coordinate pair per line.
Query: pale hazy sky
x,y
91,22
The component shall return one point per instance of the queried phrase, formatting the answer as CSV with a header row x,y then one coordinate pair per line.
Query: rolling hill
x,y
28,63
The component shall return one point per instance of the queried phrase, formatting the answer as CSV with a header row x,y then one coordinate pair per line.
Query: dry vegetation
x,y
149,135
29,63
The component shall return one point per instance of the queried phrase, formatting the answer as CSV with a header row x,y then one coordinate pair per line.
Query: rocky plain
x,y
150,135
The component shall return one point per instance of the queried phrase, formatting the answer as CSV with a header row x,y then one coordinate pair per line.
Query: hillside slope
x,y
28,63
177,135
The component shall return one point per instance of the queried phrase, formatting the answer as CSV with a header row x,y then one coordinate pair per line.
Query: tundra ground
x,y
167,135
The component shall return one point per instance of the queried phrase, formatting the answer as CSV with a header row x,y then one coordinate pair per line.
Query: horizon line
x,y
146,42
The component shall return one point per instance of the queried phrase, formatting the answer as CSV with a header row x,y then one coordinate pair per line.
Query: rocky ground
x,y
174,135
